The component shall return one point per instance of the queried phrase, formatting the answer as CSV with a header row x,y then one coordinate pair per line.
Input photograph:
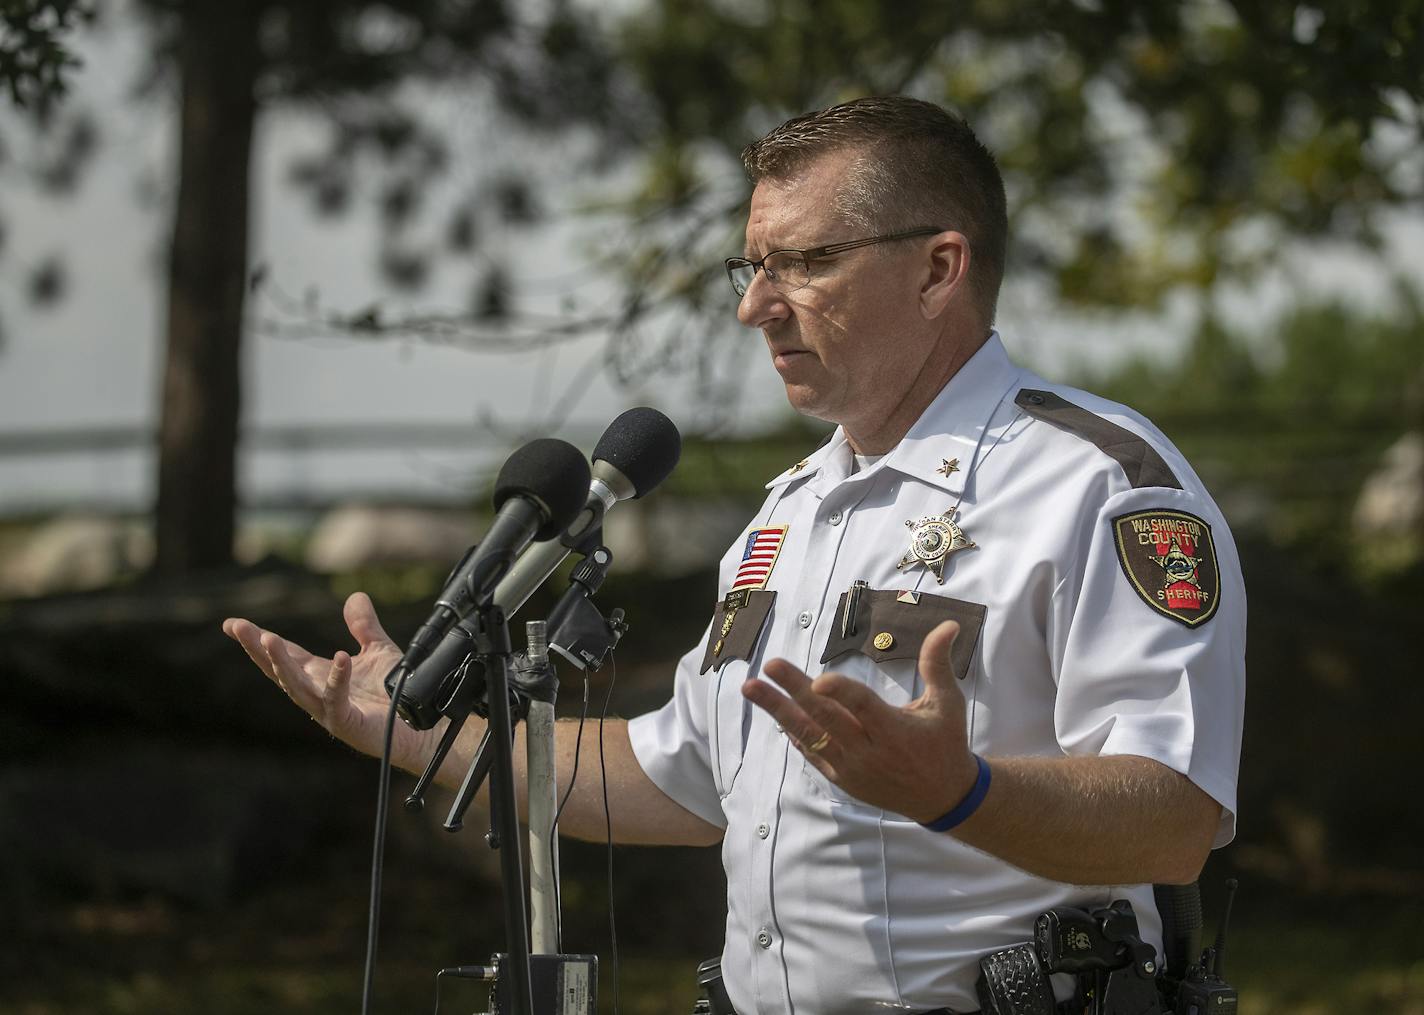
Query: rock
x,y
1391,502
355,536
673,537
74,553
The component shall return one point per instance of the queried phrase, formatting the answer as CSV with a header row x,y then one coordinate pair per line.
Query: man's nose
x,y
762,305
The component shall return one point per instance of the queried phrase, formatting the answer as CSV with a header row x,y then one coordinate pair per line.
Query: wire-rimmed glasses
x,y
789,270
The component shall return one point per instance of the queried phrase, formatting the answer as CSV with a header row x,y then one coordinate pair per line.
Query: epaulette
x,y
1140,460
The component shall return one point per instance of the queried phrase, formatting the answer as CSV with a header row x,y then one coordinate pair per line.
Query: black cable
x,y
554,831
378,848
608,827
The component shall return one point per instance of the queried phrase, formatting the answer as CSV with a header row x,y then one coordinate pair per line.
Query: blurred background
x,y
282,283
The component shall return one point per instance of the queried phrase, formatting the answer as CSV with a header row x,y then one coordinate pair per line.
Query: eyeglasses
x,y
789,270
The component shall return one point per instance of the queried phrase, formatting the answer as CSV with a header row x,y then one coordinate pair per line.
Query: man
x,y
1025,613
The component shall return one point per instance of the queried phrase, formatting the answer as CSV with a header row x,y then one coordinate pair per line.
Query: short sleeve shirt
x,y
1111,621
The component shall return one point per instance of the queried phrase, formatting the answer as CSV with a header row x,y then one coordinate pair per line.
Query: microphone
x,y
536,497
637,452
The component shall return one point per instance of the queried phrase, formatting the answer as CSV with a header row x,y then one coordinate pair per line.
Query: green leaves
x,y
34,57
1138,139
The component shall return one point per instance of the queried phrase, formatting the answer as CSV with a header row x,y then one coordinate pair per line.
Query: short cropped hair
x,y
918,165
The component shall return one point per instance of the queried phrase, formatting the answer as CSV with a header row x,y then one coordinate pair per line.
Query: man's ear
x,y
948,276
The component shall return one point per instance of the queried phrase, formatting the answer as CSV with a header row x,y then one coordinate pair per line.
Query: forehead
x,y
798,210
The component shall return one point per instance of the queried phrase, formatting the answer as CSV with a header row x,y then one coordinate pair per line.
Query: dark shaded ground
x,y
179,838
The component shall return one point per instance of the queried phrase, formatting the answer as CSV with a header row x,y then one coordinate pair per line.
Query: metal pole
x,y
543,790
506,813
543,843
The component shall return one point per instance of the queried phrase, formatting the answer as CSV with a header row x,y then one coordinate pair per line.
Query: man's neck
x,y
877,437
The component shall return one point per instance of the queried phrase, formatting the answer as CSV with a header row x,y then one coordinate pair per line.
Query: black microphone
x,y
537,495
637,452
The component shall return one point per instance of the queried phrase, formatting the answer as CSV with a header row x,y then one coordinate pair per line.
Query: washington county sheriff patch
x,y
1170,559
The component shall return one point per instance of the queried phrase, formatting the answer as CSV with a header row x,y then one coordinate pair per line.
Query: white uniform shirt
x,y
836,906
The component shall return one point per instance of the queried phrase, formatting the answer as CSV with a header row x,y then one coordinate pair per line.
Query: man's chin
x,y
809,402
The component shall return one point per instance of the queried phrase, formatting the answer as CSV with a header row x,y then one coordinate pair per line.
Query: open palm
x,y
344,693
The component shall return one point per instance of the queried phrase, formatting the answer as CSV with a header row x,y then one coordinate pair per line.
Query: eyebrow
x,y
747,251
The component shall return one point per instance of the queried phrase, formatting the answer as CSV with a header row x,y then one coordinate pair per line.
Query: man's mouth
x,y
787,357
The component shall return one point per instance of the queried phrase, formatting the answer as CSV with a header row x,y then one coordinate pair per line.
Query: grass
x,y
299,950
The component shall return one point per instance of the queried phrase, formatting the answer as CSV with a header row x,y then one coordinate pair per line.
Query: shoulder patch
x,y
1143,465
1170,561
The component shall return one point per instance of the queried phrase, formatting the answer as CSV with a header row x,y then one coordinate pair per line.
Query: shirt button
x,y
835,518
763,830
805,618
764,938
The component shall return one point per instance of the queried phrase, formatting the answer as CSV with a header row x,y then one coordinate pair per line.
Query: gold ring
x,y
819,744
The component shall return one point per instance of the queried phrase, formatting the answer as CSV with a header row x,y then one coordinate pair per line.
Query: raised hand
x,y
345,693
913,760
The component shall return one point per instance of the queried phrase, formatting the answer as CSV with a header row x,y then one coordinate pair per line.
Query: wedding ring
x,y
819,744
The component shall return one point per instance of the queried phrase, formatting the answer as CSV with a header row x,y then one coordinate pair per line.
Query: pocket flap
x,y
892,624
736,628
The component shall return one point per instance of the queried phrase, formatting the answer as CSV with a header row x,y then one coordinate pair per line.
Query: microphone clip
x,y
577,630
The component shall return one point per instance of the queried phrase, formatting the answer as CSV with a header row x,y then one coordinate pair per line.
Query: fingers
x,y
788,676
857,699
362,622
302,688
788,715
338,682
935,663
836,701
249,636
320,687
803,711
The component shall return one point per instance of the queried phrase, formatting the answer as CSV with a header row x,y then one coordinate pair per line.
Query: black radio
x,y
1117,973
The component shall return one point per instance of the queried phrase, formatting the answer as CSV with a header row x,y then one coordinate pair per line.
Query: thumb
x,y
362,622
936,667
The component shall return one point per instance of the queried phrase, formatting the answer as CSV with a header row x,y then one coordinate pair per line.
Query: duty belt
x,y
1062,1008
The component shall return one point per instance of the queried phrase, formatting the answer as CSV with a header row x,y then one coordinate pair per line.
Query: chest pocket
x,y
734,648
876,638
888,624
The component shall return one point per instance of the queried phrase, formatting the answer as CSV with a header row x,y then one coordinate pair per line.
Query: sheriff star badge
x,y
932,540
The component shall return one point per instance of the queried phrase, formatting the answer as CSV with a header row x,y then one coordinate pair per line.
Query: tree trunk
x,y
207,272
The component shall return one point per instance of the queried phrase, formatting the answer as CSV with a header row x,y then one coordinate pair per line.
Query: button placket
x,y
821,552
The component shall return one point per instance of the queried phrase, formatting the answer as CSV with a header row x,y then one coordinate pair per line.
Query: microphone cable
x,y
554,831
378,848
608,827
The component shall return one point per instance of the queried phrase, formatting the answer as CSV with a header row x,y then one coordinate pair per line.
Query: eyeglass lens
x,y
786,270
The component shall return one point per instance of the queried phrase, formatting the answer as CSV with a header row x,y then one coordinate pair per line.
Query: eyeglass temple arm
x,y
836,248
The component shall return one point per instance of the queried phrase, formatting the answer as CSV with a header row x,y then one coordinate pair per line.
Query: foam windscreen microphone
x,y
637,452
538,494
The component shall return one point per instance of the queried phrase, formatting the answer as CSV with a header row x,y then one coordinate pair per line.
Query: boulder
x,y
1391,502
354,536
73,553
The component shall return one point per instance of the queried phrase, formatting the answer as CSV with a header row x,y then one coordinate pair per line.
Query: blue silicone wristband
x,y
962,810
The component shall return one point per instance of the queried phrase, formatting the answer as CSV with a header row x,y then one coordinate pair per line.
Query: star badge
x,y
932,540
950,465
800,465
1178,565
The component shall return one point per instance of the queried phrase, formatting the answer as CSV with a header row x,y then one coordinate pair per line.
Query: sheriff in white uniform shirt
x,y
980,655
838,905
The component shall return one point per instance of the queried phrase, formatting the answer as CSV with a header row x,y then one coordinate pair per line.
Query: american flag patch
x,y
763,546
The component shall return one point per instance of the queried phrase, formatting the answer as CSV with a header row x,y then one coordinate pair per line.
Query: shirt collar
x,y
949,429
953,427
